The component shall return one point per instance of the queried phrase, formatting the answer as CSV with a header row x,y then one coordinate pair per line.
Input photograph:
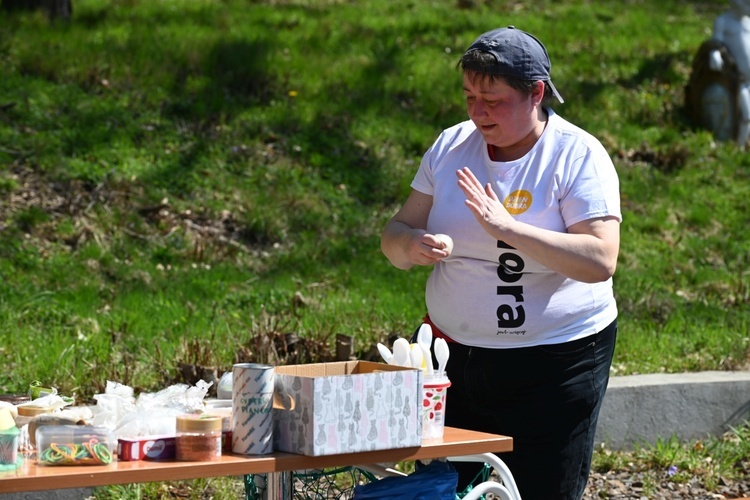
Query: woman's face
x,y
504,115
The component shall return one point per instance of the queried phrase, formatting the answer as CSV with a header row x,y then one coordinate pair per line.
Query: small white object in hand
x,y
448,242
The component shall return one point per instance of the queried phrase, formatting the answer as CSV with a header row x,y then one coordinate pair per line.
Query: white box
x,y
346,407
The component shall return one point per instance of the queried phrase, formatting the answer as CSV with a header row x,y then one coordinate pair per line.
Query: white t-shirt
x,y
487,294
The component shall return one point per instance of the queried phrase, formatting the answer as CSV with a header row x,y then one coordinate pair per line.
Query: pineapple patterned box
x,y
345,407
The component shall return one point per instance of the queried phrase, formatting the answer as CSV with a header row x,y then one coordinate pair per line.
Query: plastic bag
x,y
148,414
436,481
111,407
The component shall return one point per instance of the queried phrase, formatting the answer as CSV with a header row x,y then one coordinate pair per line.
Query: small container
x,y
55,418
74,445
27,412
36,390
434,396
198,437
222,408
9,446
146,448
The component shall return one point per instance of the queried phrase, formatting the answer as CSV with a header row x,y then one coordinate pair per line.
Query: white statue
x,y
732,29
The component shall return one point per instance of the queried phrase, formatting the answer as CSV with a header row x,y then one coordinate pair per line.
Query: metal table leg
x,y
279,486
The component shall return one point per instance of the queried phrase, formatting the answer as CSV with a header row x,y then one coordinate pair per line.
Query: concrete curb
x,y
643,408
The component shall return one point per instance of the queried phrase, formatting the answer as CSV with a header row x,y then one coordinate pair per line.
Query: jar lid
x,y
15,399
198,422
32,411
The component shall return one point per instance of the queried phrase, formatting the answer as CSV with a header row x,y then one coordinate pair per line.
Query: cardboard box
x,y
146,448
345,407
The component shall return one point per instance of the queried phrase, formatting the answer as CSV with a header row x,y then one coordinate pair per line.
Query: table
x,y
30,477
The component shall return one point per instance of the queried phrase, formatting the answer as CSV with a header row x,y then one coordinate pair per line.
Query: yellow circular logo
x,y
517,202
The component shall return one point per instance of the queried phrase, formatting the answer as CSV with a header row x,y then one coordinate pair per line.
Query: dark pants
x,y
547,398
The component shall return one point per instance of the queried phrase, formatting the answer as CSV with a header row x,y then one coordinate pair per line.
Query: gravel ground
x,y
652,485
657,486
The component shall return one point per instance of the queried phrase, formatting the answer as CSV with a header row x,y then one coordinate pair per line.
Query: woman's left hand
x,y
586,252
484,204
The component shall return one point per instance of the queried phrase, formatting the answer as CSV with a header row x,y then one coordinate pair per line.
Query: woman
x,y
524,297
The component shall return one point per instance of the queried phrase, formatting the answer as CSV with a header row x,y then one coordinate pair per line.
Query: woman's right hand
x,y
431,249
405,240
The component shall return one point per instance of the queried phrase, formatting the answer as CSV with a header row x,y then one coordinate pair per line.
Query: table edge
x,y
30,477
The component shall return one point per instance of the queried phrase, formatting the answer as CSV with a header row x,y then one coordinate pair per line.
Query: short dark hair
x,y
477,59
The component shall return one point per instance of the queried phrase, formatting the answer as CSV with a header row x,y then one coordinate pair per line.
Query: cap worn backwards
x,y
517,54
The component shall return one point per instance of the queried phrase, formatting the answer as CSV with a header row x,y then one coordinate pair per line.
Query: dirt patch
x,y
35,204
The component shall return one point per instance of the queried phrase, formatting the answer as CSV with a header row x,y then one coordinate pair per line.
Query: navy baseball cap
x,y
517,55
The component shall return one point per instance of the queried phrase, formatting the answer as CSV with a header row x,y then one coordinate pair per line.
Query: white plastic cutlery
x,y
401,352
385,353
416,357
442,353
424,339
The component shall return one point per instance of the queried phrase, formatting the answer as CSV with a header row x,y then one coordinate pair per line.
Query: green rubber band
x,y
99,452
77,454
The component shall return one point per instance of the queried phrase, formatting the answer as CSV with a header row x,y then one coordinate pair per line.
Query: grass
x,y
180,180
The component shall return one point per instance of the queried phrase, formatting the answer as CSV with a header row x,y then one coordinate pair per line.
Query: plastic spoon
x,y
442,353
385,353
401,352
416,356
424,339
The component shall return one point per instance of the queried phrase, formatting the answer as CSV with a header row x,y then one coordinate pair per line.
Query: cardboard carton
x,y
146,448
346,407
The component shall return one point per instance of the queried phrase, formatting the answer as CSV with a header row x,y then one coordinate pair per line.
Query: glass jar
x,y
198,438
